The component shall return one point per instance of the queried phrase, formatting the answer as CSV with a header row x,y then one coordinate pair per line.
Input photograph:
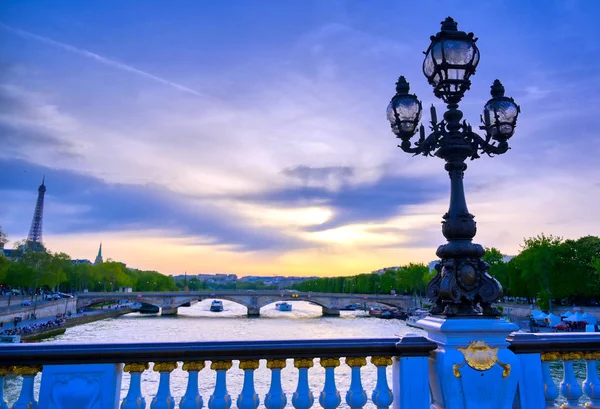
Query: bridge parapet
x,y
95,371
252,300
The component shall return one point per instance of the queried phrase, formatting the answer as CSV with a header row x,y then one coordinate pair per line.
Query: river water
x,y
197,323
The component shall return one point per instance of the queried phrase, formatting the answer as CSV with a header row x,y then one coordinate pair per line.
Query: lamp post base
x,y
472,367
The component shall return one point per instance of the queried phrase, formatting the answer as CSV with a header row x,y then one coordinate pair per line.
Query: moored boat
x,y
216,306
415,316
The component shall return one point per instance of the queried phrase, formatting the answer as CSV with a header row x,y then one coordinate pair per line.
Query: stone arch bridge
x,y
170,301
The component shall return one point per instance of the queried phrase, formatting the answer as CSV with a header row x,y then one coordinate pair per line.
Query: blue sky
x,y
250,137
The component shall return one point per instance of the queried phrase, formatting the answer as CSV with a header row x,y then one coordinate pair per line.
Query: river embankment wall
x,y
42,310
524,310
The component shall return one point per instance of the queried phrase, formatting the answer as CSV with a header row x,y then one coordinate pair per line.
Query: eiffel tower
x,y
34,239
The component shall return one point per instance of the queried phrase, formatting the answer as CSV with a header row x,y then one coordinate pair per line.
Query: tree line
x,y
409,279
547,268
551,268
57,272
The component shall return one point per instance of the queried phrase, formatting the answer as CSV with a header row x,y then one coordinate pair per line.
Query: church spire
x,y
99,256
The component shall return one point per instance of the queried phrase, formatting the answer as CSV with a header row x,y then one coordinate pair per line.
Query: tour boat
x,y
283,306
216,306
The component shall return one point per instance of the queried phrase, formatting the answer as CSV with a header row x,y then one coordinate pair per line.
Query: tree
x,y
493,256
498,268
3,238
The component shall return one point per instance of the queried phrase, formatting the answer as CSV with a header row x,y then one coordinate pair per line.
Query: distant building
x,y
383,270
217,278
99,256
81,261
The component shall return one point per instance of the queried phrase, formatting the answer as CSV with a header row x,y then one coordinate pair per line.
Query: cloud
x,y
103,60
334,176
94,206
29,125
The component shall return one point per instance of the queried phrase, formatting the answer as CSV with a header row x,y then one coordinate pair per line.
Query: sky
x,y
250,137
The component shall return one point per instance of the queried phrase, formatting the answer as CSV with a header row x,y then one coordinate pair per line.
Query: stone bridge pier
x,y
330,312
168,310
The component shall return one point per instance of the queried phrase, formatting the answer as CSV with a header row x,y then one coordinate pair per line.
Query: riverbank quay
x,y
39,308
41,328
524,310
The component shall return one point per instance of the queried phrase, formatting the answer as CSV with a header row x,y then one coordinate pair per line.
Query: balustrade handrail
x,y
526,343
56,354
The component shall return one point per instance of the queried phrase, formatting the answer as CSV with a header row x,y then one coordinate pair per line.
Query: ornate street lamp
x,y
462,286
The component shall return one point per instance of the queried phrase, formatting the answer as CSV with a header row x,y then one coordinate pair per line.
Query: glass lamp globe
x,y
450,60
500,114
404,111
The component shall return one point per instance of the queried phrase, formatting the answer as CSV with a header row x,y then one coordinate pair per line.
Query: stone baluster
x,y
248,398
356,397
330,397
192,399
591,384
303,397
220,399
382,395
4,370
163,398
550,389
26,399
569,387
134,398
275,398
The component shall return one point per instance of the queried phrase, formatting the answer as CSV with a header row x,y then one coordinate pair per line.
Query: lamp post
x,y
462,286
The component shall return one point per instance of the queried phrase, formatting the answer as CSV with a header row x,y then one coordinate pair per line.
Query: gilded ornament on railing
x,y
5,370
329,362
193,365
550,356
356,361
249,364
381,360
136,366
27,370
276,363
164,366
590,356
571,356
303,362
481,357
221,365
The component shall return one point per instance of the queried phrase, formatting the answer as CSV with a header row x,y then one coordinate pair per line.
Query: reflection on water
x,y
197,323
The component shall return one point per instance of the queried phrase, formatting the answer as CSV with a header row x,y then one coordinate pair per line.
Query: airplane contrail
x,y
99,58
